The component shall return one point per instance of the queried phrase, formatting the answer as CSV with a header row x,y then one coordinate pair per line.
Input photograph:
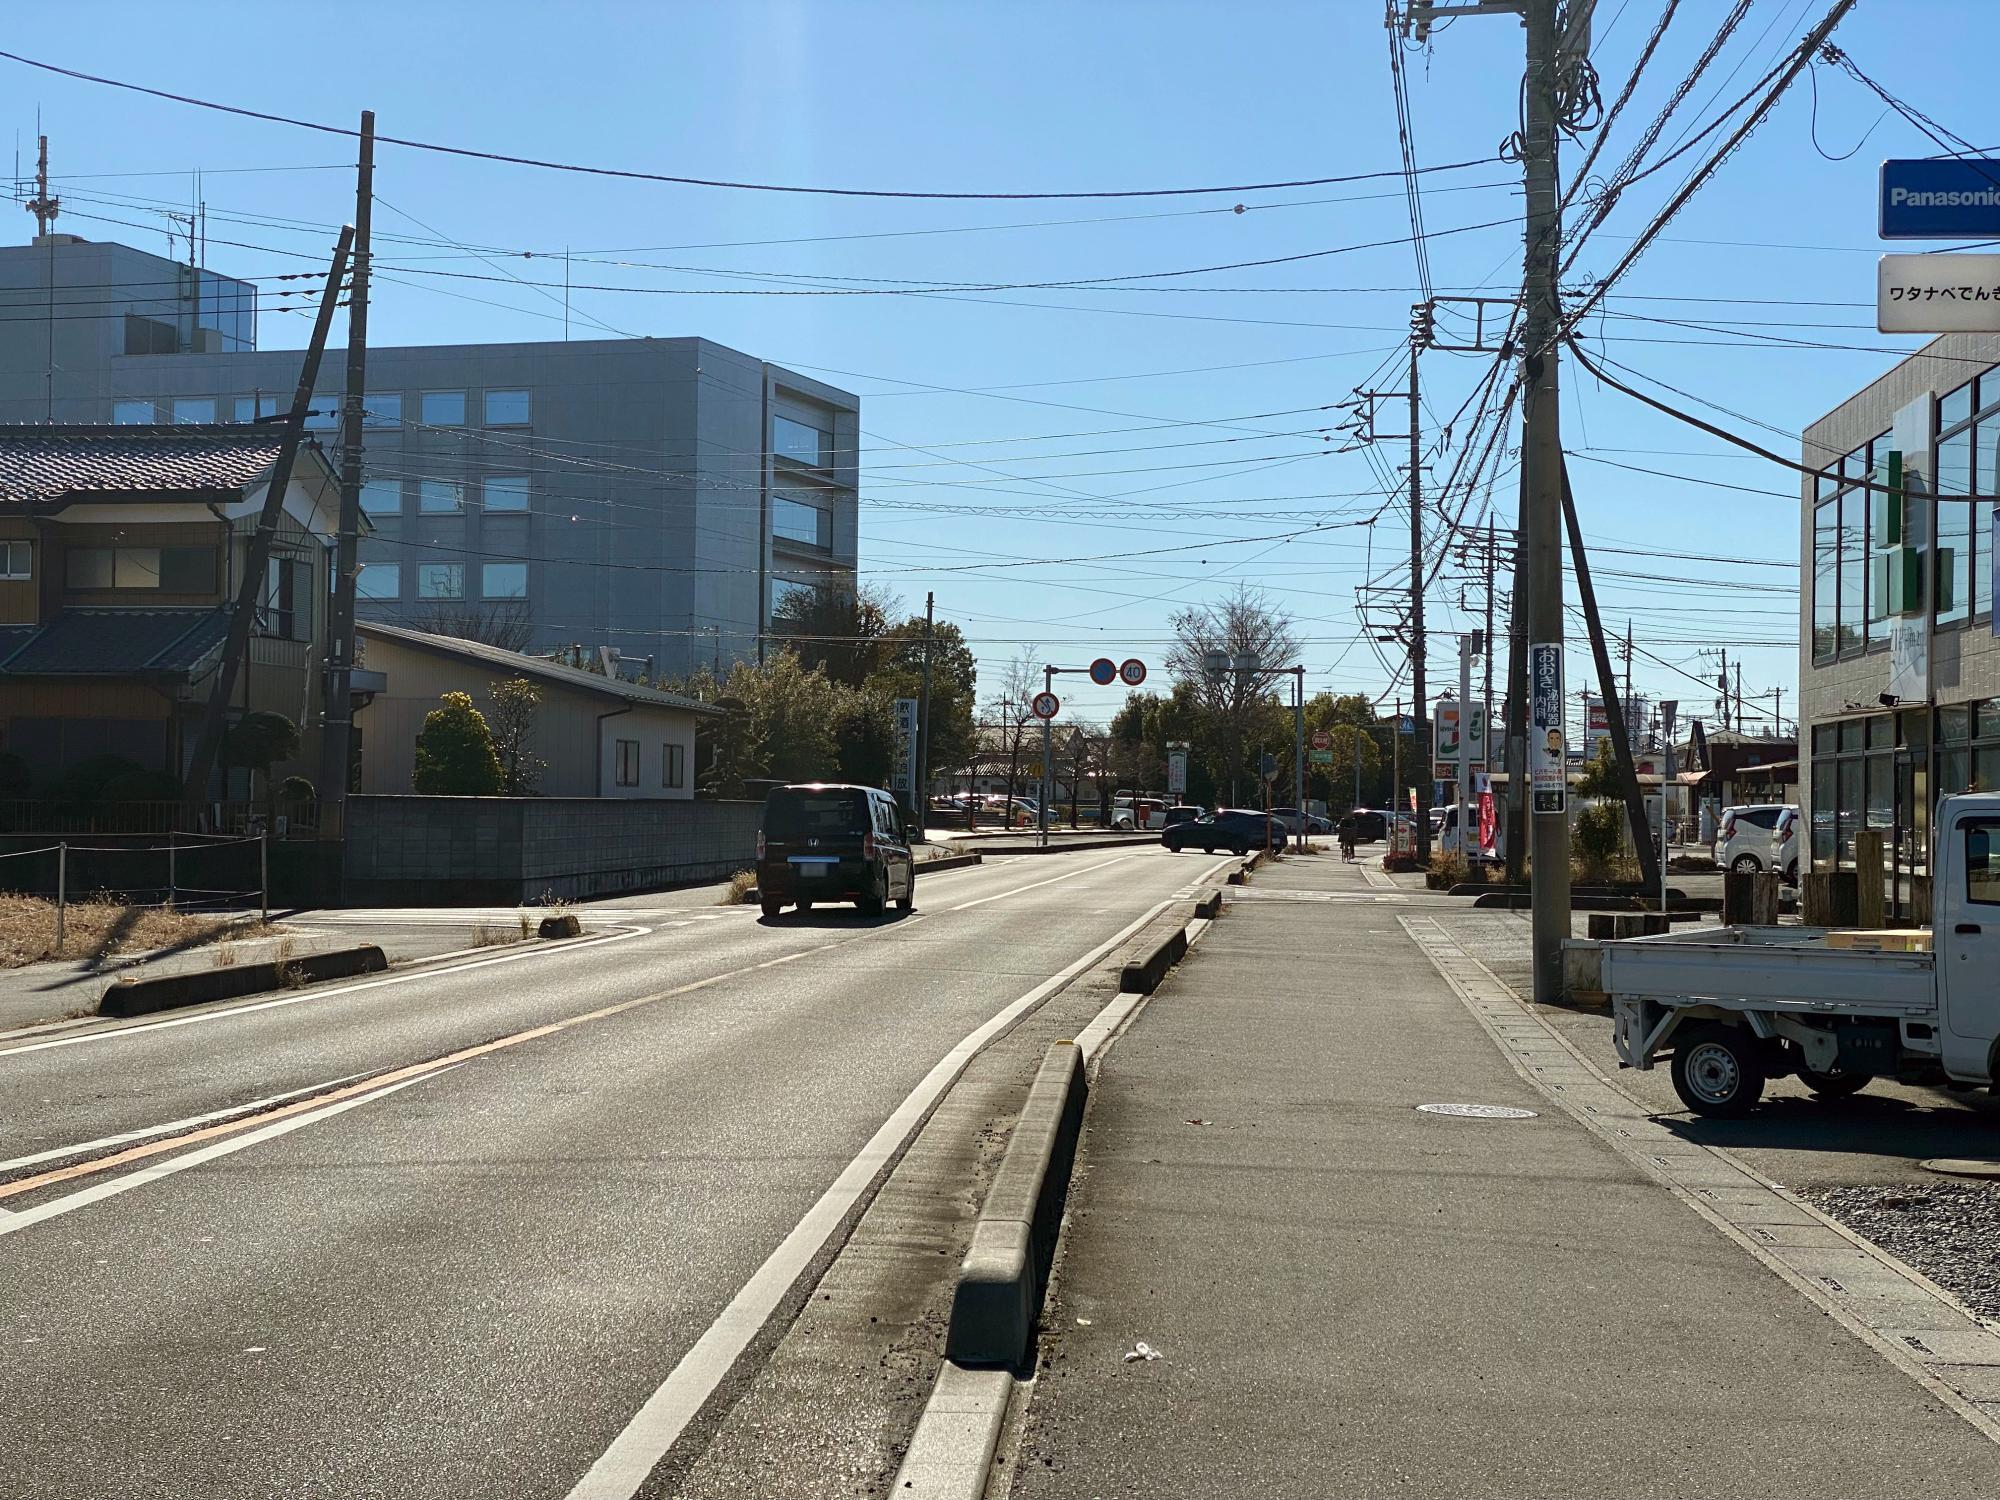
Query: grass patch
x,y
101,925
491,935
741,884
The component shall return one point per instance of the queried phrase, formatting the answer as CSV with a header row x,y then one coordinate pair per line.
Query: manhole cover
x,y
1478,1111
1963,1166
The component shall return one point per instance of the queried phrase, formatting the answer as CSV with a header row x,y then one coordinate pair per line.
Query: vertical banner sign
x,y
903,772
1177,771
1548,760
1489,818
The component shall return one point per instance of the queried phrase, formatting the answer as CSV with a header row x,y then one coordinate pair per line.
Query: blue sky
x,y
1011,432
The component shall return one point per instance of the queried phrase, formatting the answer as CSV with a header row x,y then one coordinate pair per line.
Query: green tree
x,y
258,741
512,721
783,721
844,633
954,736
455,755
866,734
1239,712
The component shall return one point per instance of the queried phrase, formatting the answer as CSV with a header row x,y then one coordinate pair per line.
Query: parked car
x,y
822,842
1138,812
1236,829
1183,815
1758,837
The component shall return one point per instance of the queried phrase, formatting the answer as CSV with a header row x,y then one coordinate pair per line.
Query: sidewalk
x,y
1350,1297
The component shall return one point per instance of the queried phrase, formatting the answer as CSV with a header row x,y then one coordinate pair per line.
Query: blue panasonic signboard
x,y
1941,200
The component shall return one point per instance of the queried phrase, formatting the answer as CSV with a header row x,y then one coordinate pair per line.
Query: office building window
x,y
797,520
673,766
508,580
382,409
382,497
506,408
784,590
801,443
194,408
441,580
379,581
17,561
444,408
250,408
132,413
437,497
628,762
506,492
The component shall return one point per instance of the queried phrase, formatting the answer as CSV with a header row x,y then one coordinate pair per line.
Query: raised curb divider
x,y
951,862
999,1293
1157,949
1208,905
1074,846
139,997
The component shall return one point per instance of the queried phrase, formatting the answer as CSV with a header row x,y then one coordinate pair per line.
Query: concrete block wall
x,y
504,850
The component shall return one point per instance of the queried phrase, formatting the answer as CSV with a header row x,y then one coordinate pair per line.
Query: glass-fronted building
x,y
1899,664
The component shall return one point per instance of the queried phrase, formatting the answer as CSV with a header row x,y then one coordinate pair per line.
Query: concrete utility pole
x,y
336,759
1540,575
923,798
1422,748
237,645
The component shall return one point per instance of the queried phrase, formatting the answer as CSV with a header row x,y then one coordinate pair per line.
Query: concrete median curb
x,y
999,1294
1208,904
950,862
1026,844
139,997
1158,949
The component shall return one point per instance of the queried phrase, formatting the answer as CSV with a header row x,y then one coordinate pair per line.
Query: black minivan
x,y
834,843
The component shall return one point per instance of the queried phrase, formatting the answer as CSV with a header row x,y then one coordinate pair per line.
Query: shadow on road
x,y
842,916
1882,1125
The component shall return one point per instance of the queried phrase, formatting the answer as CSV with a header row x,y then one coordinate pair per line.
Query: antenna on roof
x,y
44,205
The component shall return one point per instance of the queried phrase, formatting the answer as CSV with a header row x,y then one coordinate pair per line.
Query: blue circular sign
x,y
1104,671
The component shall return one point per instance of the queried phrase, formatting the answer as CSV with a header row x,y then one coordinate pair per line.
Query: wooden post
x,y
1827,899
1869,909
62,894
1764,899
1736,899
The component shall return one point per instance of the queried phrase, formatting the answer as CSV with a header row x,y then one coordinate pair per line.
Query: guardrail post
x,y
263,875
173,883
62,883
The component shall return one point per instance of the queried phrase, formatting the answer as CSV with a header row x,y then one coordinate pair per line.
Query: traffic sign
x,y
1044,705
1320,757
1132,671
1269,766
1104,671
1322,739
1932,199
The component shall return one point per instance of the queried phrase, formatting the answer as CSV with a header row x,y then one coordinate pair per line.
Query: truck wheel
x,y
1745,864
1835,1085
1718,1071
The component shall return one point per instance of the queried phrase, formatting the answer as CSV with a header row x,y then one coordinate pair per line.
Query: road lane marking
x,y
1017,890
659,1422
126,1137
19,1219
119,1033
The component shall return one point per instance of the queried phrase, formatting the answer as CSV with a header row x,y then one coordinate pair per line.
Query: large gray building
x,y
659,496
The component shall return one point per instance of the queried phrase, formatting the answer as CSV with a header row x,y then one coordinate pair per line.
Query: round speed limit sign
x,y
1132,671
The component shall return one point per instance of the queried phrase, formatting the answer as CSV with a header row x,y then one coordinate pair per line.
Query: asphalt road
x,y
462,1272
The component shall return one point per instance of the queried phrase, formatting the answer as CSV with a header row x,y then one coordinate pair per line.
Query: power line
x,y
708,182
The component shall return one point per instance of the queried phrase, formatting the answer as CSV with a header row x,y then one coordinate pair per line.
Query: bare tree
x,y
505,624
1242,624
1020,680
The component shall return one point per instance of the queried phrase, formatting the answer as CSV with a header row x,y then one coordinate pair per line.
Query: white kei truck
x,y
1734,1007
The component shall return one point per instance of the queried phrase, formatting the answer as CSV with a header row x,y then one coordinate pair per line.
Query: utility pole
x,y
1541,542
1628,662
336,758
1422,747
1486,693
1777,713
1396,763
45,206
1739,698
237,645
923,798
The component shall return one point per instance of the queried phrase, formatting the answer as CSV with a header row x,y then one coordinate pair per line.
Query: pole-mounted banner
x,y
1548,756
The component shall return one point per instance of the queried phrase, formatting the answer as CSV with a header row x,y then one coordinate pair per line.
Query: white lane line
x,y
122,1033
656,1426
173,1127
1017,890
24,1218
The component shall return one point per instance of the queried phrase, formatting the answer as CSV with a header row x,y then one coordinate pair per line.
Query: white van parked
x,y
1759,837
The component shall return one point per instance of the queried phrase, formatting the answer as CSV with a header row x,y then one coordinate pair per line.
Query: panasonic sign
x,y
1953,199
